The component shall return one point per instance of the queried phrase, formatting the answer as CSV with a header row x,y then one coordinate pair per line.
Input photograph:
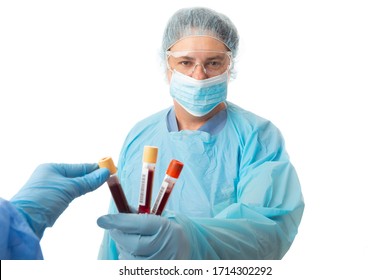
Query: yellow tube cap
x,y
107,162
150,154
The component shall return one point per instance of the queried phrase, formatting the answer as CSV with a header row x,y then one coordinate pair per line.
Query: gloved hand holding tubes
x,y
146,236
149,236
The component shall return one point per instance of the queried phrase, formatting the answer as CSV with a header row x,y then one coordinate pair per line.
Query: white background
x,y
75,76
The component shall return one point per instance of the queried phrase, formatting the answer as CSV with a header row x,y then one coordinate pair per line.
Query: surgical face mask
x,y
198,97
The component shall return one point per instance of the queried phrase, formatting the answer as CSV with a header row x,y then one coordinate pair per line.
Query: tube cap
x,y
107,162
150,154
174,168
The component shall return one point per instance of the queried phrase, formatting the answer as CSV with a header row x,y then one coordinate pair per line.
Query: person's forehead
x,y
199,43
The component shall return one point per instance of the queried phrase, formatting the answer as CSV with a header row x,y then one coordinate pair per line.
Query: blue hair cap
x,y
200,22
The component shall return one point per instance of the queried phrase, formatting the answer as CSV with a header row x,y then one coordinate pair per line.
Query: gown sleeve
x,y
264,220
18,241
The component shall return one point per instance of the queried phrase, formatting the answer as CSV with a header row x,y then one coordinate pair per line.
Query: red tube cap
x,y
174,168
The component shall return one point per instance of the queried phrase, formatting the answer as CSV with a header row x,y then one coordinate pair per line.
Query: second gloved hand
x,y
52,187
144,236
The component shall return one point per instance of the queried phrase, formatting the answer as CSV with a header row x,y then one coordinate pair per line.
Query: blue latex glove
x,y
51,188
144,236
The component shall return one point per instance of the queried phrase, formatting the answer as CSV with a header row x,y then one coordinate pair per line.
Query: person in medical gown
x,y
238,196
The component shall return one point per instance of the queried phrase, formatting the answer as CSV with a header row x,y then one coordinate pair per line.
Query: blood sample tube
x,y
171,176
147,176
115,186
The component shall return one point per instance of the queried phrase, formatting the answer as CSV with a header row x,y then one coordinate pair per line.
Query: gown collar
x,y
212,126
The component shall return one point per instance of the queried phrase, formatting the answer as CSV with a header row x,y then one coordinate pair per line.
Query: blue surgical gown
x,y
238,196
17,240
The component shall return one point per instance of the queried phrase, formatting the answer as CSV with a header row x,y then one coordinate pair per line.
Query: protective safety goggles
x,y
213,63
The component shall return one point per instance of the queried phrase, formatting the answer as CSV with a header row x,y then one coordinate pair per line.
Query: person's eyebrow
x,y
188,57
215,57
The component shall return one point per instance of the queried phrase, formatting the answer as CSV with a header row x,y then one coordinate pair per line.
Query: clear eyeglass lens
x,y
212,63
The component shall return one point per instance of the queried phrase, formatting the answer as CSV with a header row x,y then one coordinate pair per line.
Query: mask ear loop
x,y
167,63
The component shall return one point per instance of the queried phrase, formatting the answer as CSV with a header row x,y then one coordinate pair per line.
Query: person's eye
x,y
214,64
185,63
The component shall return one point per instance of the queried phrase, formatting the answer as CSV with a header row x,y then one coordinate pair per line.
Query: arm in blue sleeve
x,y
18,241
264,221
